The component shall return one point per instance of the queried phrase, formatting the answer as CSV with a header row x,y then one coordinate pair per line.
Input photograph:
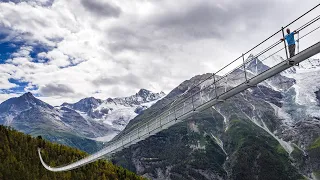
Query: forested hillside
x,y
19,160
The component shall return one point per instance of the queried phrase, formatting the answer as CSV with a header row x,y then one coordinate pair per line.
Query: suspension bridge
x,y
214,90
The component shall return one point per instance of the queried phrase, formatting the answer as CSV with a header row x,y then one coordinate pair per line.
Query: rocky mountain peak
x,y
91,100
24,102
255,66
144,96
144,93
29,98
65,104
162,93
84,104
28,95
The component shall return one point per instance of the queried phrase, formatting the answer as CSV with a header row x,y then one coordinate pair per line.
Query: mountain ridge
x,y
75,124
116,112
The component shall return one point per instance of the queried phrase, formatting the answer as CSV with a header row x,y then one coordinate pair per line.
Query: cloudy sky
x,y
65,50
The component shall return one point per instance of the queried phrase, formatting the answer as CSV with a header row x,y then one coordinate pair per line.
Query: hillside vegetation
x,y
19,160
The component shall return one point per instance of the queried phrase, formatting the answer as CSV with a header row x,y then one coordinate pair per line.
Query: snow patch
x,y
219,142
284,116
287,146
283,143
106,138
9,120
225,119
85,116
306,84
193,127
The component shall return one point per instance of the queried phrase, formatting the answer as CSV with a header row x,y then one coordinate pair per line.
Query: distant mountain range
x,y
79,125
115,112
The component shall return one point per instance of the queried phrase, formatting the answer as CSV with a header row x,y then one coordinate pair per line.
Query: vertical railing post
x,y
192,103
284,41
225,89
148,127
256,66
175,113
184,105
244,68
215,85
298,42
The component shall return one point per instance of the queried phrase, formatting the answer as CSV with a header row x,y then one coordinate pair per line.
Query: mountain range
x,y
84,124
270,131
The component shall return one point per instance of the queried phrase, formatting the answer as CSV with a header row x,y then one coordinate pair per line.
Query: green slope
x,y
256,154
69,139
314,153
19,160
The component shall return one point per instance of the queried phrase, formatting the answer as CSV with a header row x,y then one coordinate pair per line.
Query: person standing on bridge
x,y
291,42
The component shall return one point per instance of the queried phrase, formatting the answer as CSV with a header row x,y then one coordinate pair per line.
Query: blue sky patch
x,y
19,89
6,49
20,85
39,49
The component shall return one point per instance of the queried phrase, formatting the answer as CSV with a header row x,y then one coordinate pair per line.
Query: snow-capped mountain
x,y
64,125
115,112
271,131
79,125
14,106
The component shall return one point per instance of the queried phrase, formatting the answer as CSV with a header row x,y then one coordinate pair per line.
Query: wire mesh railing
x,y
239,71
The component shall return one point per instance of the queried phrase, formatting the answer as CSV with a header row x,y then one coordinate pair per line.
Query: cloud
x,y
55,57
99,8
55,89
35,24
116,47
32,2
5,96
130,80
24,51
4,81
125,39
211,19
